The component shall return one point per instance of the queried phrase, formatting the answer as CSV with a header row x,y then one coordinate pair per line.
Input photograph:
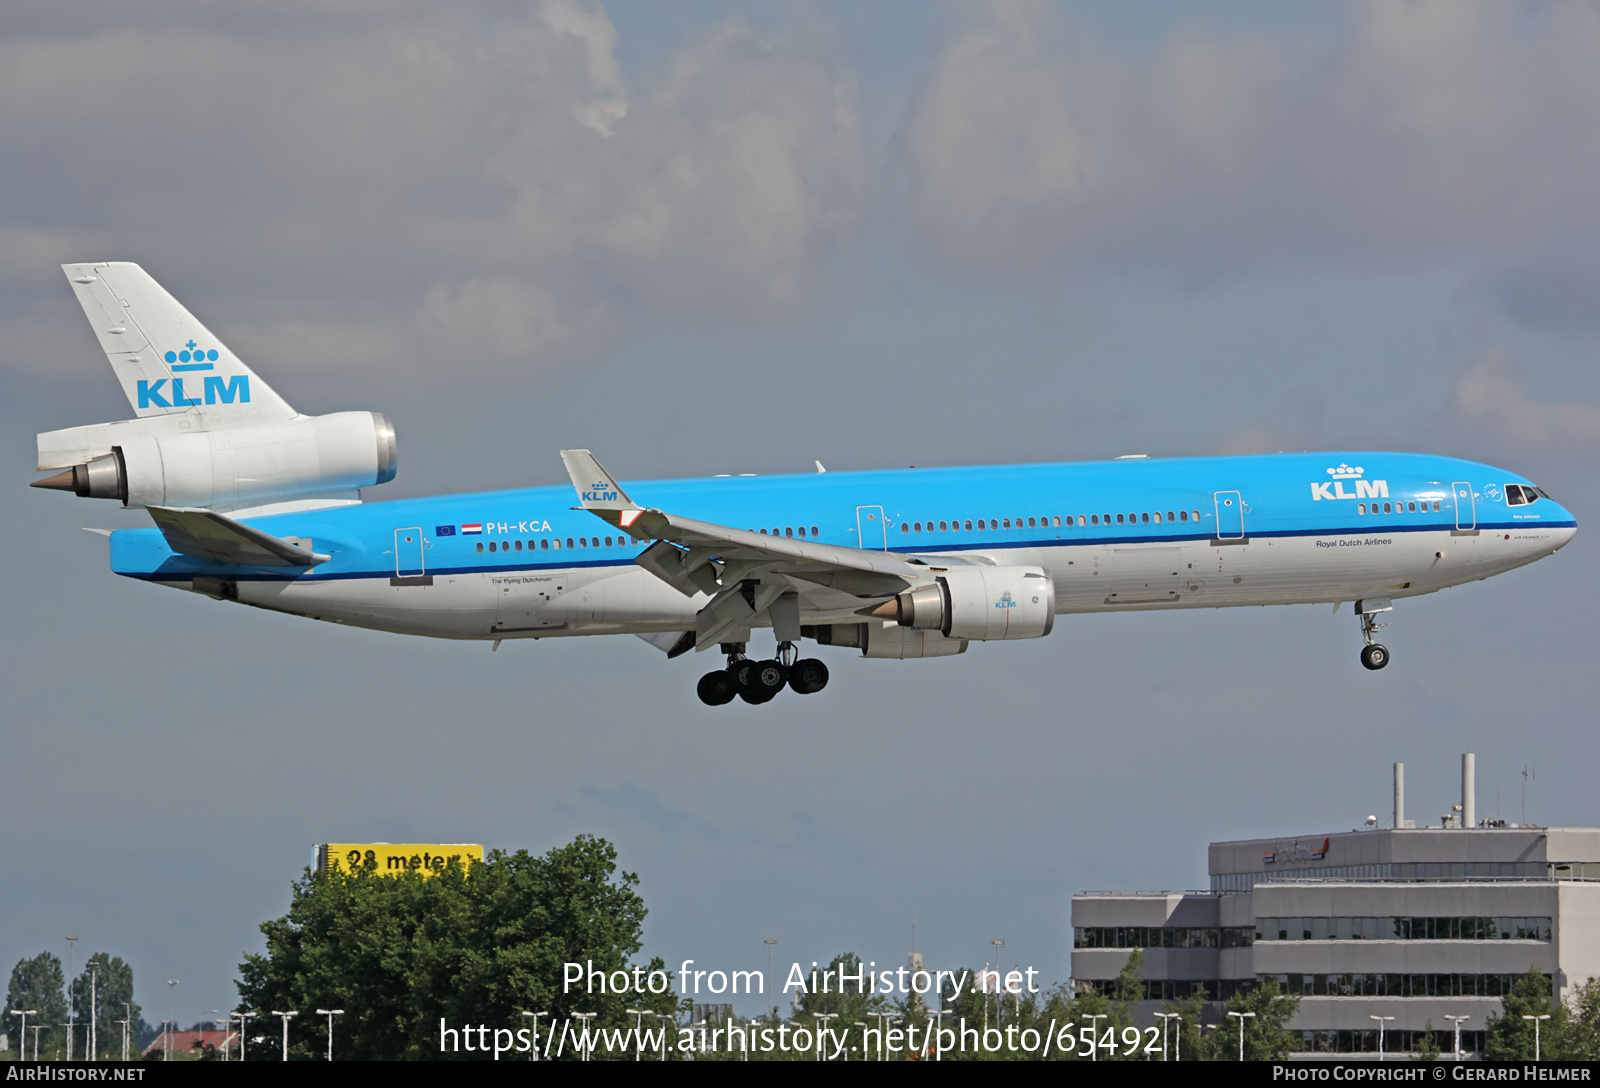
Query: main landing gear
x,y
1373,655
760,681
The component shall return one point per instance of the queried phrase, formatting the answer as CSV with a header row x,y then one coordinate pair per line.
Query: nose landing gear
x,y
1373,655
758,682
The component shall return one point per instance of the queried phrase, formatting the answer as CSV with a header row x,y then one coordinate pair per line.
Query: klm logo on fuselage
x,y
1334,488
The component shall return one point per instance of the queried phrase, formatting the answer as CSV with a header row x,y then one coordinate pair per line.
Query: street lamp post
x,y
638,1032
72,944
22,1044
1243,1016
172,1007
127,1011
1457,1020
286,1016
585,1041
1094,1036
244,1017
533,1055
1381,1021
771,943
94,1011
822,1019
223,1026
1536,1019
330,1014
1166,1016
669,1018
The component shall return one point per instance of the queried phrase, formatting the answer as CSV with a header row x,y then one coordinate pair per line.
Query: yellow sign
x,y
394,858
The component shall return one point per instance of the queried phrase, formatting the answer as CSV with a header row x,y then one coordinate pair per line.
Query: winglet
x,y
598,491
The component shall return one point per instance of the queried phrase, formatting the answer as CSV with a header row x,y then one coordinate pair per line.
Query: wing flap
x,y
206,534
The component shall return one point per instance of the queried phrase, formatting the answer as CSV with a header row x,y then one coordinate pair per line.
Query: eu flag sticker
x,y
444,530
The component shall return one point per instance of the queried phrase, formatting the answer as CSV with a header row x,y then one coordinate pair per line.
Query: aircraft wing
x,y
205,534
745,573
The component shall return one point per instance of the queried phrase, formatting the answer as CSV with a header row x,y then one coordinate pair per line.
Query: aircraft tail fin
x,y
168,363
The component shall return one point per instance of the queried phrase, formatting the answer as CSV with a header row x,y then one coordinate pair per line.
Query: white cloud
x,y
469,179
1422,133
1490,403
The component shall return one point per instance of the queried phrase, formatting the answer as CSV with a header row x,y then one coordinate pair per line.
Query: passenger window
x,y
1170,517
1361,508
1435,506
491,545
1196,514
1119,519
788,530
1006,524
905,526
519,545
1080,519
594,542
544,545
608,542
583,542
1386,509
941,527
1411,508
969,526
1158,517
802,531
1095,518
1145,518
480,545
1183,515
569,542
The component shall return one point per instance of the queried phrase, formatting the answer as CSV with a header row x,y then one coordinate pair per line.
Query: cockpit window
x,y
1522,494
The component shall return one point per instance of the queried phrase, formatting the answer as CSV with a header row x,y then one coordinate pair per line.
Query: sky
x,y
712,237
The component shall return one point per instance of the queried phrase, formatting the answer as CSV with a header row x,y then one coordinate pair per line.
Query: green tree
x,y
1508,1037
1265,1037
38,984
1583,1025
112,992
1428,1046
474,946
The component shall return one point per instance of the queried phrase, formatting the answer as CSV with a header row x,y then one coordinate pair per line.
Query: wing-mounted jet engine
x,y
209,433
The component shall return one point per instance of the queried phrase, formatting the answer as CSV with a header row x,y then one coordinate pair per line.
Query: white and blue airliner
x,y
255,503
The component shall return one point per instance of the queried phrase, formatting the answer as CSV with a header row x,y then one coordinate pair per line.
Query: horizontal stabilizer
x,y
205,534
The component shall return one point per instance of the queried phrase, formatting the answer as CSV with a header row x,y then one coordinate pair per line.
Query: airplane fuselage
x,y
1121,535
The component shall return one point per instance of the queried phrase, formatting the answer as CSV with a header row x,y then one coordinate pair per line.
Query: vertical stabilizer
x,y
168,363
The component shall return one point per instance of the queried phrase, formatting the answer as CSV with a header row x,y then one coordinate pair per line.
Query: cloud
x,y
1420,134
1489,400
475,182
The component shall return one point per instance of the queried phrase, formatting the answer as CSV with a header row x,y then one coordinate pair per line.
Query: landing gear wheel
x,y
1375,656
762,680
808,676
716,688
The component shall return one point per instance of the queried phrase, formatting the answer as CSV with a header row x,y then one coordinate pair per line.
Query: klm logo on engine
x,y
598,493
1005,601
1334,488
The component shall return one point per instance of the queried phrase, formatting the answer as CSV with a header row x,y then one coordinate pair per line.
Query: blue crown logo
x,y
190,352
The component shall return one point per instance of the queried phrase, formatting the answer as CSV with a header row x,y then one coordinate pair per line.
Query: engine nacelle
x,y
230,466
983,604
885,640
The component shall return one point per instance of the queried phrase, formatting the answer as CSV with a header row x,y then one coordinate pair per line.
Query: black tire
x,y
766,678
1374,657
740,672
716,688
808,676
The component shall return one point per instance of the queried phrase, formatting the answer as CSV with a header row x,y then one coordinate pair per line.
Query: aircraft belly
x,y
452,606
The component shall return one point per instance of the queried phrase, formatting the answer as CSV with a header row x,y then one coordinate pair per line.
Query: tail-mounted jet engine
x,y
982,604
225,467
